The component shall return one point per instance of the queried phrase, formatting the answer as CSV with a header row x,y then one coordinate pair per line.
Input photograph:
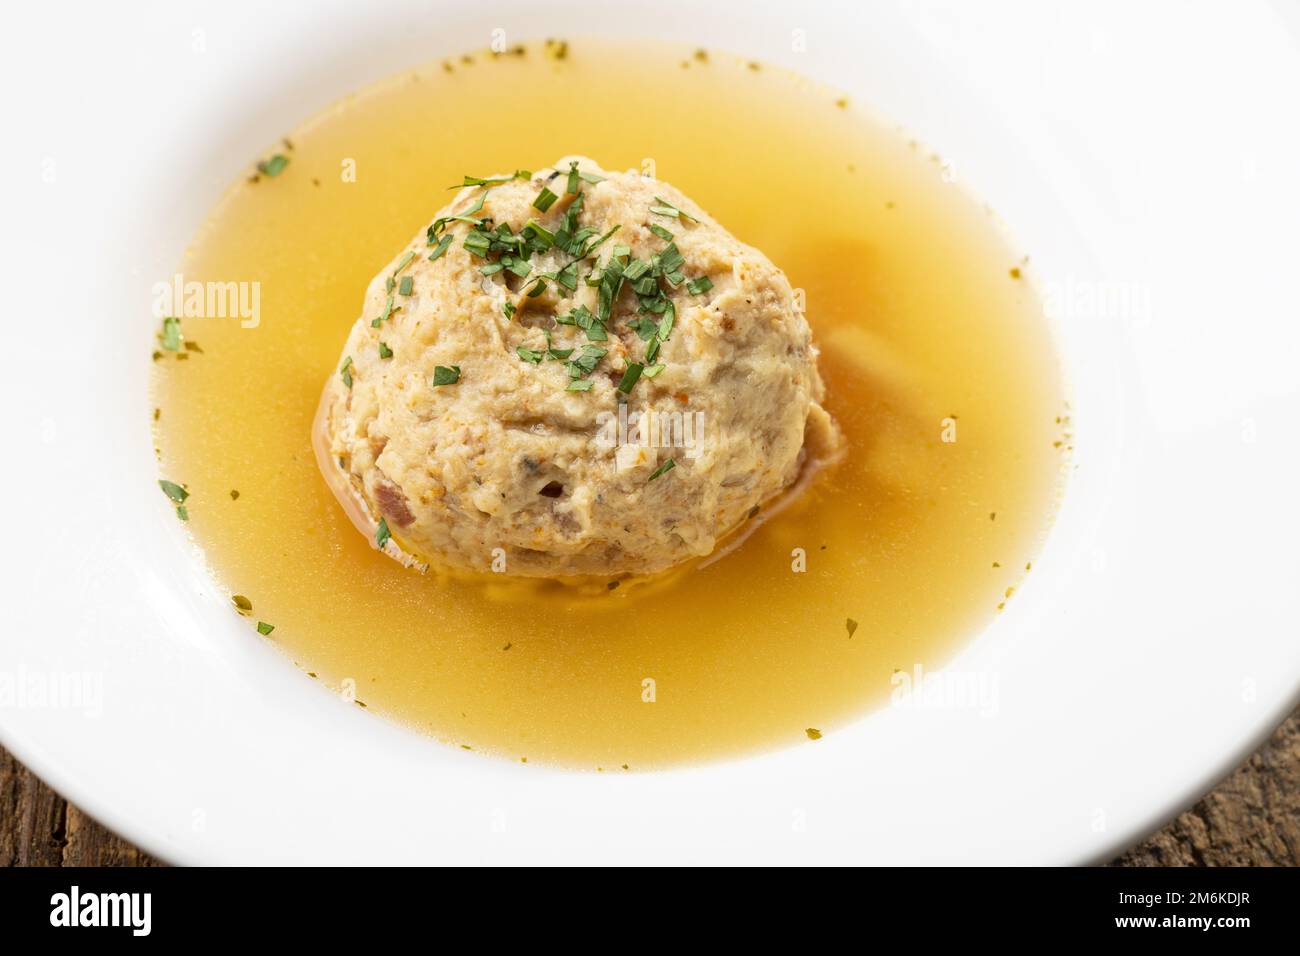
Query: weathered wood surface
x,y
1251,818
40,828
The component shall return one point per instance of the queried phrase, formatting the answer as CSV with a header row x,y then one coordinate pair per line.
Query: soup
x,y
938,363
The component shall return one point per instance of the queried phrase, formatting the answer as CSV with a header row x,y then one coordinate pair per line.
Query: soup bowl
x,y
1152,648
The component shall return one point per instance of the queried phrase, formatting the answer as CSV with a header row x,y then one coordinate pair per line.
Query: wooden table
x,y
1251,818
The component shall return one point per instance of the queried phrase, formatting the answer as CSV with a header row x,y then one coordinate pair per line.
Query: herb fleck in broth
x,y
921,329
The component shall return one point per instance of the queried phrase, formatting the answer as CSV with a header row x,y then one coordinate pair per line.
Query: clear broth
x,y
916,301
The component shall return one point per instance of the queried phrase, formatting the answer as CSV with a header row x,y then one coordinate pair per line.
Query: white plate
x,y
1144,154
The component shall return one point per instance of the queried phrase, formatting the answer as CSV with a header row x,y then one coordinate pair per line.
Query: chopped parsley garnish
x,y
611,281
384,351
670,259
273,166
575,176
183,512
582,318
407,285
478,242
476,181
383,316
588,358
501,251
382,534
446,374
173,491
665,208
171,333
406,261
439,225
630,376
588,250
264,629
539,233
647,328
443,244
666,323
518,265
666,467
568,276
345,371
545,199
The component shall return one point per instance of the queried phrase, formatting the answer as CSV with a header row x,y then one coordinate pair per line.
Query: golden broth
x,y
915,301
